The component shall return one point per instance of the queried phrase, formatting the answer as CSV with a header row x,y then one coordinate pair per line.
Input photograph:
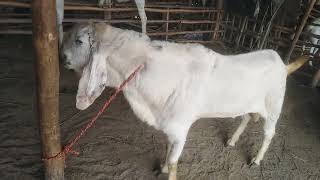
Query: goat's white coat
x,y
314,30
182,83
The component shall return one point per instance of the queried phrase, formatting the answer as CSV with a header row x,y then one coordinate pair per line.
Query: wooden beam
x,y
219,7
299,30
47,70
158,9
77,20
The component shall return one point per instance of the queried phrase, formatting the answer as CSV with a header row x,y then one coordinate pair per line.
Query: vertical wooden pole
x,y
167,23
107,14
225,28
299,30
219,6
47,66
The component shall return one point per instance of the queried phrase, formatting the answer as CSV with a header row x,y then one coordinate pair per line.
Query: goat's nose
x,y
66,63
64,57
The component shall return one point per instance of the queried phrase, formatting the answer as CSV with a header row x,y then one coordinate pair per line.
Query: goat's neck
x,y
119,70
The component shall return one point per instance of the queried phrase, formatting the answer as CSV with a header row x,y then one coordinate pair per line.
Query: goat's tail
x,y
295,65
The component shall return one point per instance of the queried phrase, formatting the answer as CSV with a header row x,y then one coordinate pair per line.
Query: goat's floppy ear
x,y
92,81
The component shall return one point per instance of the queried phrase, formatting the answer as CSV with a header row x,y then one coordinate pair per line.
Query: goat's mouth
x,y
67,65
71,70
83,103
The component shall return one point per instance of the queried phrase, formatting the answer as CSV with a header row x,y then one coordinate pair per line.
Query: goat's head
x,y
80,51
78,44
92,82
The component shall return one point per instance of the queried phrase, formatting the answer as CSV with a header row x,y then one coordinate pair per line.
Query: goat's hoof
x,y
156,172
164,169
230,143
254,163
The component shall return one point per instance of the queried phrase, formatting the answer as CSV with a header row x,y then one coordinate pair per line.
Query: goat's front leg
x,y
173,154
164,167
101,3
140,5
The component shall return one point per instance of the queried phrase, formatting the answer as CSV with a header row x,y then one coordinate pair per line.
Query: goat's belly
x,y
234,98
232,107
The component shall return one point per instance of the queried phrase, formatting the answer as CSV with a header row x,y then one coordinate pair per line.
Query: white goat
x,y
60,14
314,30
179,84
313,50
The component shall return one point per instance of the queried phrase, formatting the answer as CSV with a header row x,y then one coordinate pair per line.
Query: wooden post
x,y
107,14
219,6
299,30
47,66
167,23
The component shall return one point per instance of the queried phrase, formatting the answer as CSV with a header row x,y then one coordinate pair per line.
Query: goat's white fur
x,y
314,30
181,83
139,3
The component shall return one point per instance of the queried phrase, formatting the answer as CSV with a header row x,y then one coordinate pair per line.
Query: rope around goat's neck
x,y
68,148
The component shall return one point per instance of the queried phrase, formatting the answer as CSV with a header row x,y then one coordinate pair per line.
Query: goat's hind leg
x,y
101,3
174,151
245,119
269,131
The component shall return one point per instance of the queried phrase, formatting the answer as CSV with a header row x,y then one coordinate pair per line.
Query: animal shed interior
x,y
122,147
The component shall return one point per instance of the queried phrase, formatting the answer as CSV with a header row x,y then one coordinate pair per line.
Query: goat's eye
x,y
102,86
79,42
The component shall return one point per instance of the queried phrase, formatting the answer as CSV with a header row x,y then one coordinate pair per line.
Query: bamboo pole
x,y
251,39
77,20
107,15
225,29
219,6
15,32
47,70
299,30
266,34
167,24
177,33
149,34
243,25
115,9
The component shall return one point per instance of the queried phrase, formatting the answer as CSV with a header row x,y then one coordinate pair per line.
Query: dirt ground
x,y
121,147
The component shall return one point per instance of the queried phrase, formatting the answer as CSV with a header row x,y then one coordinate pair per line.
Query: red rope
x,y
68,148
